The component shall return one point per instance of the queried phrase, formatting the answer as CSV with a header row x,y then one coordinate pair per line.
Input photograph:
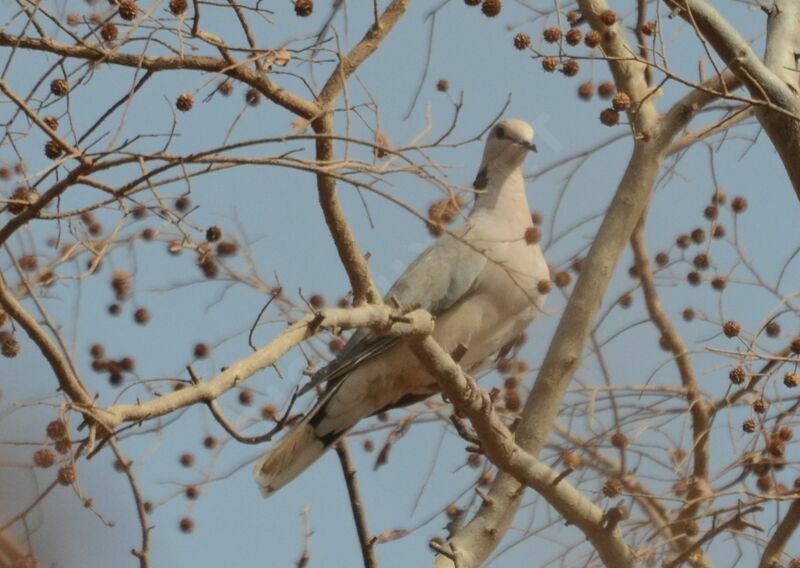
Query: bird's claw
x,y
475,392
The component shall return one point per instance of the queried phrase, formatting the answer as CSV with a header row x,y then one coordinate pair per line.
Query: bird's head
x,y
508,144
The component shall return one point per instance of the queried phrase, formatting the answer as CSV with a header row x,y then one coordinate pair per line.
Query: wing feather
x,y
440,276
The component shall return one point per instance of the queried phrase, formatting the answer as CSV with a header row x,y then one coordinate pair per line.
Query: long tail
x,y
297,450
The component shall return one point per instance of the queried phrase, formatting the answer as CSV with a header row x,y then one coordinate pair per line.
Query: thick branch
x,y
353,260
69,383
379,316
776,545
774,82
499,445
350,61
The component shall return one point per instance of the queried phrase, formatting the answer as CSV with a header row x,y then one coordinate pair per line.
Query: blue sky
x,y
275,210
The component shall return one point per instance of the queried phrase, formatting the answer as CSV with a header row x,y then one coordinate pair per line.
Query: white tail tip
x,y
293,453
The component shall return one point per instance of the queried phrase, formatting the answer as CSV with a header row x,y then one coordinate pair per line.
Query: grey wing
x,y
443,274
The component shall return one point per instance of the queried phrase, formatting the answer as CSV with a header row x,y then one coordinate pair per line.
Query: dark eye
x,y
500,132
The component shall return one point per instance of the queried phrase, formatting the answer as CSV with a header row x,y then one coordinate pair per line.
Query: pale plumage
x,y
480,284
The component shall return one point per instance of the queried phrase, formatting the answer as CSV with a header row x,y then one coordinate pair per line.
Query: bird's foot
x,y
475,392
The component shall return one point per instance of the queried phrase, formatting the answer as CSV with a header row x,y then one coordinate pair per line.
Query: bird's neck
x,y
504,197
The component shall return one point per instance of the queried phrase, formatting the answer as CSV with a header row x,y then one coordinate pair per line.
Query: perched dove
x,y
480,283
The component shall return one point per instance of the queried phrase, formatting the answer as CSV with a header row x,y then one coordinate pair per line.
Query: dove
x,y
481,284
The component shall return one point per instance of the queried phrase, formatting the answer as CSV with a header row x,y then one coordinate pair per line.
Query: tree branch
x,y
499,445
774,81
357,505
377,316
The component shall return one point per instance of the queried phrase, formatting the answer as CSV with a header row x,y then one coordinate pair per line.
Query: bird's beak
x,y
531,146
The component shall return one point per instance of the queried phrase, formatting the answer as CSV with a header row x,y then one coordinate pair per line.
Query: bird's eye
x,y
500,132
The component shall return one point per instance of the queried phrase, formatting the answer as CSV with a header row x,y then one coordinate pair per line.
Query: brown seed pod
x,y
186,460
549,63
491,8
592,38
442,85
586,91
609,17
209,442
21,198
551,35
9,347
186,525
737,375
606,90
201,350
718,283
683,241
269,412
772,329
570,68
227,248
625,301
109,32
791,380
760,406
648,28
662,259
613,488
619,440
794,346
609,117
739,204
533,235
749,426
731,328
574,36
182,204
764,482
128,10
303,8
43,458
53,150
252,97
543,286
59,87
178,7
56,430
698,236
694,278
785,433
184,102
701,261
225,87
245,397
562,279
141,316
66,474
51,121
213,234
522,41
621,101
776,448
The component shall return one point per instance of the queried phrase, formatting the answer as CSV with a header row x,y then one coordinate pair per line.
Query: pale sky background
x,y
277,210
